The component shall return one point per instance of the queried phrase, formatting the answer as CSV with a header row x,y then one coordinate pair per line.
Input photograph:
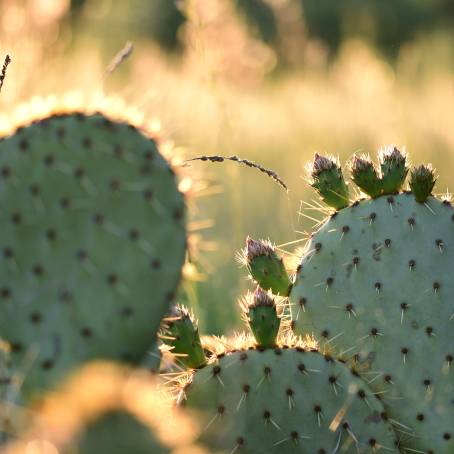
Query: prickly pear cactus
x,y
376,285
117,432
92,244
287,400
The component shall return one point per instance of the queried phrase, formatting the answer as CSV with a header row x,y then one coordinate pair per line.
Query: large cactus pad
x,y
377,286
287,400
92,243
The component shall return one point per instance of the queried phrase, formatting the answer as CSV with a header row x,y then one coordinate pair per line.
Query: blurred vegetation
x,y
270,80
387,25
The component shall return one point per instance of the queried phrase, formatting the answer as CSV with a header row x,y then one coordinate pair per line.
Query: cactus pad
x,y
92,244
287,400
377,287
117,432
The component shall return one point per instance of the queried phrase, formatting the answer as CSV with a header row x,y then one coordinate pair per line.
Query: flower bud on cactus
x,y
266,267
365,175
261,314
329,182
393,169
422,181
181,333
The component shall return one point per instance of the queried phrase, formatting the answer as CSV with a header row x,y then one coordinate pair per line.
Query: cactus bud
x,y
328,180
266,267
365,175
393,169
422,181
180,332
261,314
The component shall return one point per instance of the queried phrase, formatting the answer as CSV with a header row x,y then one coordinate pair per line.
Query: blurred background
x,y
269,80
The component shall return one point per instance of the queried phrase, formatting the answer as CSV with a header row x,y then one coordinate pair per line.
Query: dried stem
x,y
246,162
119,58
3,73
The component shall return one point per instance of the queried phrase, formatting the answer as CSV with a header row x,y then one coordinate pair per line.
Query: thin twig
x,y
119,58
246,162
3,74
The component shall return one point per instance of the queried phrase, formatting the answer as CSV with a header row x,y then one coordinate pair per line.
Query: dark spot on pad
x,y
86,332
6,172
114,184
148,194
49,160
98,219
16,347
112,279
5,292
65,297
81,255
51,234
64,202
86,142
47,364
38,270
79,172
155,264
23,144
35,317
127,311
318,247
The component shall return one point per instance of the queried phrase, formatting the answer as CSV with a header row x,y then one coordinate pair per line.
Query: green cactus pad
x,y
266,267
377,286
117,432
180,332
285,401
92,244
260,313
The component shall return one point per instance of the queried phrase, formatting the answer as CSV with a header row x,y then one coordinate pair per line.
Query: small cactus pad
x,y
328,181
393,166
266,267
260,313
287,401
377,286
180,332
92,244
365,175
